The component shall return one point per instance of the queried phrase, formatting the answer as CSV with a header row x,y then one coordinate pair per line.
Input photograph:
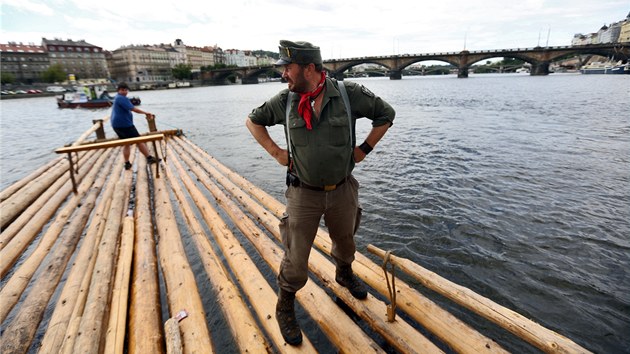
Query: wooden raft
x,y
108,254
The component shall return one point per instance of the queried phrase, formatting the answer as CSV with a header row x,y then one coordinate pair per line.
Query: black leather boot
x,y
346,278
285,314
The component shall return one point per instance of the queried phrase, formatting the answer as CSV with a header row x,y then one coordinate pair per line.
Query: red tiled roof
x,y
22,48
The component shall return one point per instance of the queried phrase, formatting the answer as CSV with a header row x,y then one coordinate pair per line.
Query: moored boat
x,y
606,68
89,96
522,70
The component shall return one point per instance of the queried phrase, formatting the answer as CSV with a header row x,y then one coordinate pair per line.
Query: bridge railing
x,y
482,51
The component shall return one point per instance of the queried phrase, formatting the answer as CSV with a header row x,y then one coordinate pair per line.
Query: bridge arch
x,y
251,76
337,71
222,77
248,75
407,67
539,58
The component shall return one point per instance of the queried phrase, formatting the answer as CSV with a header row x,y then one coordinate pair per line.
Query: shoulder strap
x,y
346,102
286,122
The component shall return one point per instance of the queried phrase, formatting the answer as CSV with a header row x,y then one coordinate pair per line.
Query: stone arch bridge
x,y
539,58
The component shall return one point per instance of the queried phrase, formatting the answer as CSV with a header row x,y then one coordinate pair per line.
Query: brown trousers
x,y
298,227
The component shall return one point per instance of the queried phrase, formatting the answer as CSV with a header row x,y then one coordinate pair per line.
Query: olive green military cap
x,y
299,53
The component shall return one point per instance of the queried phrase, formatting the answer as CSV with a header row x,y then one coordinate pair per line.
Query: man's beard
x,y
300,85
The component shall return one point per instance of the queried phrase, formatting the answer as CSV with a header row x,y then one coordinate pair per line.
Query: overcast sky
x,y
342,28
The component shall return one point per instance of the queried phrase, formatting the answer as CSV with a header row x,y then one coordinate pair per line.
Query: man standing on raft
x,y
321,154
122,123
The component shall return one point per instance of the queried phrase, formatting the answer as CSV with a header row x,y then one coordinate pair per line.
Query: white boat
x,y
179,84
599,67
89,96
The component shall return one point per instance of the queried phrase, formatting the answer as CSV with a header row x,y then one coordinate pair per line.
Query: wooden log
x,y
94,320
151,123
524,328
37,214
97,125
115,338
10,190
145,314
262,297
316,302
41,209
20,332
74,326
11,292
16,244
166,133
71,301
400,334
15,204
109,144
245,330
105,145
449,329
180,282
173,337
170,132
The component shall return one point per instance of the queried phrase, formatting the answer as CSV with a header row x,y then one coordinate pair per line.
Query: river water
x,y
517,187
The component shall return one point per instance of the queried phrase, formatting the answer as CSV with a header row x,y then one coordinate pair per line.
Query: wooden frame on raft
x,y
105,145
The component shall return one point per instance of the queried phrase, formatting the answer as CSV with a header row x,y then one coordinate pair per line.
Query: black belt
x,y
328,188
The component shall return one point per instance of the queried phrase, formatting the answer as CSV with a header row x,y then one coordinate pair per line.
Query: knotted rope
x,y
391,308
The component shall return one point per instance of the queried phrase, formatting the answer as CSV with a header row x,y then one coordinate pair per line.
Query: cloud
x,y
341,28
29,6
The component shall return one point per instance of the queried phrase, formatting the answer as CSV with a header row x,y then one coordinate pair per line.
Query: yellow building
x,y
624,35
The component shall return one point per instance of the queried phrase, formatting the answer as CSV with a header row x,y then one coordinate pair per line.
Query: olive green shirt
x,y
323,156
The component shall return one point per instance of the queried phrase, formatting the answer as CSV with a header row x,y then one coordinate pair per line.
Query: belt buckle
x,y
330,187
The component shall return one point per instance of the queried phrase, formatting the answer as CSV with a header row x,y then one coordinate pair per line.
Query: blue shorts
x,y
127,132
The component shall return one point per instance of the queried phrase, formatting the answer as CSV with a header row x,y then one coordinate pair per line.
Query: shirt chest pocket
x,y
297,130
339,130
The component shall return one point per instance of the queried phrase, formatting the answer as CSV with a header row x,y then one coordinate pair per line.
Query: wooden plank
x,y
14,240
114,341
181,286
15,286
19,334
71,301
145,314
110,144
16,186
14,205
46,204
452,331
245,330
111,200
97,125
173,337
400,334
94,321
262,297
339,328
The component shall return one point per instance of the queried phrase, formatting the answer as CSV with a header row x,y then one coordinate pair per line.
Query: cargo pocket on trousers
x,y
284,229
357,220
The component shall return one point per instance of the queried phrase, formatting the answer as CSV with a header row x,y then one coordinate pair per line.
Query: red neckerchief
x,y
304,107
